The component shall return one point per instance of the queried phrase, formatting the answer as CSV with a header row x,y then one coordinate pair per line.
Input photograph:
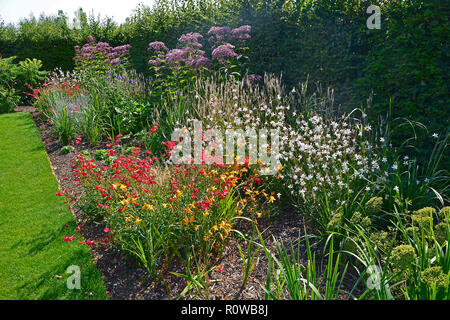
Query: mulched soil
x,y
126,280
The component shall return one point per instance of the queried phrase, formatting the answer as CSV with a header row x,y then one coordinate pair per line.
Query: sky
x,y
14,10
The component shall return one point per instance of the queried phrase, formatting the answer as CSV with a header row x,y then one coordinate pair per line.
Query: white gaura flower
x,y
396,188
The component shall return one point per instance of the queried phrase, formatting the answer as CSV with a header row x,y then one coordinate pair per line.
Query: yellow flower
x,y
187,220
125,201
138,220
123,187
148,207
271,199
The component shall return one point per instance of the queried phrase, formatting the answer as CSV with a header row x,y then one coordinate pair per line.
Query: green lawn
x,y
33,253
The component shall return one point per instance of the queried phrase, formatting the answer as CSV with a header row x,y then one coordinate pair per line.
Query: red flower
x,y
68,239
223,194
59,194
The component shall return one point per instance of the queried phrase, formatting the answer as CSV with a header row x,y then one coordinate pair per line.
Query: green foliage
x,y
9,96
63,125
445,213
288,278
423,217
374,206
434,276
29,75
100,154
415,80
15,80
403,256
67,149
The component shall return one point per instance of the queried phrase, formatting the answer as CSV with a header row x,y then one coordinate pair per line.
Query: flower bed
x,y
363,199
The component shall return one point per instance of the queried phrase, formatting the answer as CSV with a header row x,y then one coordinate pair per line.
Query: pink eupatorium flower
x,y
224,52
157,46
241,33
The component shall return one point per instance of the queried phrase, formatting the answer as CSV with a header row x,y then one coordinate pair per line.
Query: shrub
x,y
445,213
402,257
434,277
29,76
423,217
9,97
373,206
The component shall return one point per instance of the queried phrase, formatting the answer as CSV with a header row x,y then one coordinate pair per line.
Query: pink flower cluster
x,y
227,34
191,55
92,51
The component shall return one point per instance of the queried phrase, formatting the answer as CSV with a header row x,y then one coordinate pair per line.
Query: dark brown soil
x,y
125,280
